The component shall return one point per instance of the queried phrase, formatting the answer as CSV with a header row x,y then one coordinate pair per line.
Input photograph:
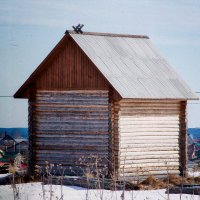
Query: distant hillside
x,y
14,132
194,132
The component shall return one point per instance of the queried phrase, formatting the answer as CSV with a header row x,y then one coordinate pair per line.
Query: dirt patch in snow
x,y
172,180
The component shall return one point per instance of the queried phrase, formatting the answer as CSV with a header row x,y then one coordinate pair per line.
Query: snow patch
x,y
39,191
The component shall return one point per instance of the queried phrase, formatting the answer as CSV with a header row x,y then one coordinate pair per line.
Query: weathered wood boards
x,y
148,136
69,126
70,69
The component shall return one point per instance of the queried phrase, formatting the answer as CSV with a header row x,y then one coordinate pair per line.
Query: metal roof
x,y
133,66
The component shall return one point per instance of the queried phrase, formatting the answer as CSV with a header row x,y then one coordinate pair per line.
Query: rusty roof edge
x,y
31,78
107,34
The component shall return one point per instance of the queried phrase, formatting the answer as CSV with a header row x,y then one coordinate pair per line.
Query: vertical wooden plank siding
x,y
151,137
71,69
70,125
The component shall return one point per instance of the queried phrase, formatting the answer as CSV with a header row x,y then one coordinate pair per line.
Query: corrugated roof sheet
x,y
133,66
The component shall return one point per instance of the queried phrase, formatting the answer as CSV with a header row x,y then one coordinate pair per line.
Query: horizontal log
x,y
74,148
63,157
66,144
150,164
72,101
75,97
81,119
148,108
87,158
141,111
142,120
41,162
71,141
146,133
149,145
74,159
71,128
153,136
44,136
149,173
152,141
126,148
62,92
43,154
147,137
70,114
149,129
139,157
127,101
147,126
128,153
148,105
67,132
48,105
39,150
146,161
72,96
148,169
147,123
71,144
153,118
72,123
74,110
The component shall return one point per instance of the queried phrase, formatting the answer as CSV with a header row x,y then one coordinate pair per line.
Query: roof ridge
x,y
107,34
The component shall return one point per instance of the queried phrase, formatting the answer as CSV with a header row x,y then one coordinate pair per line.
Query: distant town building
x,y
7,142
21,147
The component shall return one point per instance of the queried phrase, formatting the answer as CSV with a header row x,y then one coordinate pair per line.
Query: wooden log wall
x,y
150,137
70,127
183,139
115,138
31,159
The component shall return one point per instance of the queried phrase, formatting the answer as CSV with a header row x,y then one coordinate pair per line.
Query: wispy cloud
x,y
39,13
139,15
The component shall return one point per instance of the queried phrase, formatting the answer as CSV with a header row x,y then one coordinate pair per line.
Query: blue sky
x,y
29,29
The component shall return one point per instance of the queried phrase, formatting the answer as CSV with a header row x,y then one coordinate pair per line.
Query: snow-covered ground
x,y
194,174
35,191
4,175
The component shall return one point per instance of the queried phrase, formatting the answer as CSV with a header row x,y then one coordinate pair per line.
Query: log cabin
x,y
111,96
